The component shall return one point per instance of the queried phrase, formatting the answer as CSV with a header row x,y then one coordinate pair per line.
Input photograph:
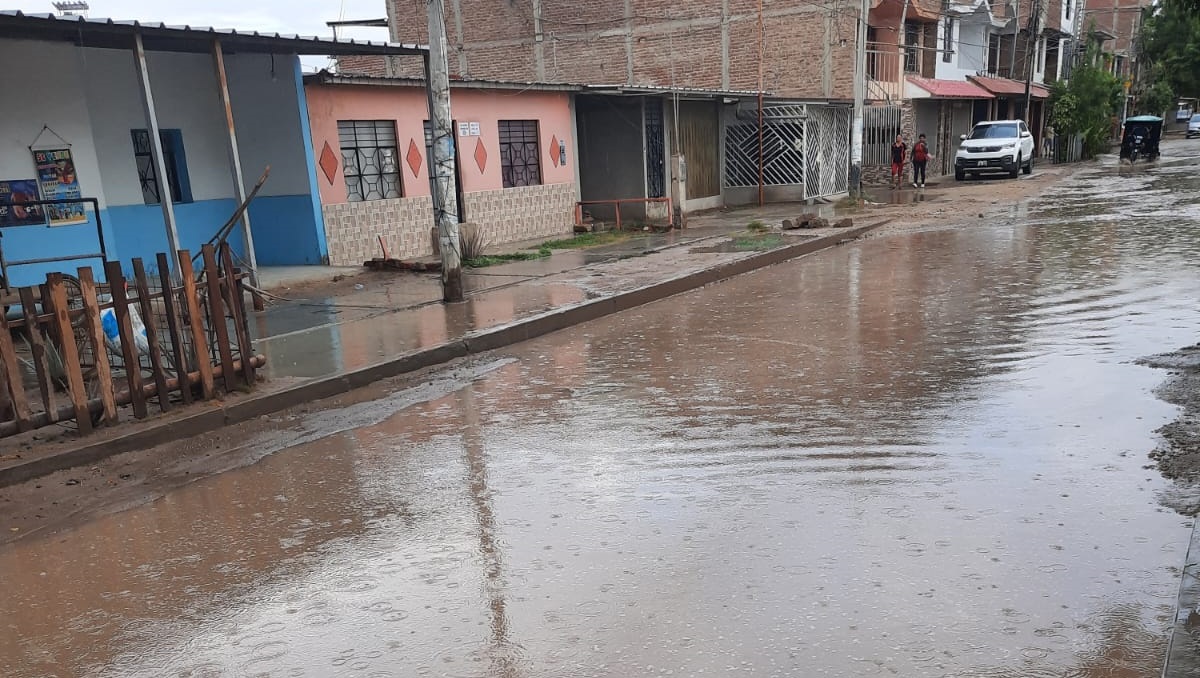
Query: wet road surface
x,y
919,455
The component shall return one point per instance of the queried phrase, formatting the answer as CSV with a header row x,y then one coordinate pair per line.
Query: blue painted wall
x,y
286,232
38,242
310,159
139,229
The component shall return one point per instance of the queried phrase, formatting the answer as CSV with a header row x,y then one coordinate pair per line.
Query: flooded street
x,y
915,455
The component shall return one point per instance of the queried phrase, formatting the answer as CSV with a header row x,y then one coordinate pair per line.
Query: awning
x,y
947,89
1003,87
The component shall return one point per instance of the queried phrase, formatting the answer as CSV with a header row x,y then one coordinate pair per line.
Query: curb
x,y
1183,648
497,337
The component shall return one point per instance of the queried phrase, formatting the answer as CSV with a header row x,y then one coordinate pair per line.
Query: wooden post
x,y
95,330
38,346
196,323
216,316
13,379
237,309
160,375
69,352
235,162
165,198
129,350
177,348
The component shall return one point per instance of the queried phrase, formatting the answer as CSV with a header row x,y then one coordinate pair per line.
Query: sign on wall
x,y
56,177
14,193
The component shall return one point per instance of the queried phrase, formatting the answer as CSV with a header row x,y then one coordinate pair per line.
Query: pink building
x,y
517,174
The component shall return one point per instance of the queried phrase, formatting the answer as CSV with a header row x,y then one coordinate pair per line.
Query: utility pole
x,y
1031,63
442,163
860,80
761,183
1012,51
902,49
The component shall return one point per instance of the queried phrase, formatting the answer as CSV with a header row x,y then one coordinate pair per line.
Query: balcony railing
x,y
883,72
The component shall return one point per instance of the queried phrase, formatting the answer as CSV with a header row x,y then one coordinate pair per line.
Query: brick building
x,y
668,89
1117,23
808,49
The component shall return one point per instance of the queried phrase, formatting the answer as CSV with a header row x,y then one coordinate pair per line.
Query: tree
x,y
1086,104
1156,98
1170,42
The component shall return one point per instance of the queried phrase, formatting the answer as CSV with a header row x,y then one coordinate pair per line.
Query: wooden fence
x,y
78,355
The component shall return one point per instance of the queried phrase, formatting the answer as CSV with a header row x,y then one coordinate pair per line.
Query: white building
x,y
97,91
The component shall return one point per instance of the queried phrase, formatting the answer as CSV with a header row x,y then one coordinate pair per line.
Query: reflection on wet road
x,y
913,456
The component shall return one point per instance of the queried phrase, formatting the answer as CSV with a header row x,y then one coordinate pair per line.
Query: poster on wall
x,y
14,193
56,177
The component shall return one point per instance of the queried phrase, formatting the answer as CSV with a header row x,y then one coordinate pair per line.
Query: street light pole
x,y
860,80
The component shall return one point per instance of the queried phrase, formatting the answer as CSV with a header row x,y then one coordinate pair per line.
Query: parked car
x,y
995,146
1194,126
1183,113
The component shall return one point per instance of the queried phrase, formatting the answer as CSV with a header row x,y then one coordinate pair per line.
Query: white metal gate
x,y
827,143
803,145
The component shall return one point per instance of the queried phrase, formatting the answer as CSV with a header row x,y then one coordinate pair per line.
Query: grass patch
x,y
587,240
757,242
756,226
485,260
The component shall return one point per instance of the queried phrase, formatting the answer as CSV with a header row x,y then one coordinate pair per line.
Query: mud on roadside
x,y
1178,454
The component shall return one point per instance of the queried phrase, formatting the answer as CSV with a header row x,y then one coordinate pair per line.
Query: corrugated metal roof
x,y
951,89
665,89
1007,87
330,78
159,36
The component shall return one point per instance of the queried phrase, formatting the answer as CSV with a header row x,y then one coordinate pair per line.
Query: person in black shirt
x,y
899,152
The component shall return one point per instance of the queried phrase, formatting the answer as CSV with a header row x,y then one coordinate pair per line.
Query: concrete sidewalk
x,y
373,326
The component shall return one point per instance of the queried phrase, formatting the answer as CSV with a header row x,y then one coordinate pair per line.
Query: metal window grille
x,y
912,38
520,153
370,162
881,124
948,41
656,168
143,156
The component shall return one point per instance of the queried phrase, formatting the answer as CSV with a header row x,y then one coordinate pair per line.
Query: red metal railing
x,y
617,206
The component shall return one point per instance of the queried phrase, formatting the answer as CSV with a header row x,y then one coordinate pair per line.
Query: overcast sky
x,y
306,17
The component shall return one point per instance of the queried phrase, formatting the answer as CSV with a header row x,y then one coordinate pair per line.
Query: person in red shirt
x,y
899,153
921,158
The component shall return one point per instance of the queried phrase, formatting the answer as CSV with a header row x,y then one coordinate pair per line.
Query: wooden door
x,y
700,140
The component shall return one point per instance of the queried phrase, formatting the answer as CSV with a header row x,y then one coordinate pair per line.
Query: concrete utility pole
x,y
1031,63
441,164
761,194
1012,51
860,81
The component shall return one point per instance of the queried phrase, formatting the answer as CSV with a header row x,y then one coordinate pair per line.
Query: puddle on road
x,y
919,455
904,196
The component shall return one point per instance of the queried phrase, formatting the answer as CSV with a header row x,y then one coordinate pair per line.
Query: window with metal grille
x,y
912,42
520,153
948,41
370,162
173,157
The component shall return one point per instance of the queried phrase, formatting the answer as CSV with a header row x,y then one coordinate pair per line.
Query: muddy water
x,y
917,456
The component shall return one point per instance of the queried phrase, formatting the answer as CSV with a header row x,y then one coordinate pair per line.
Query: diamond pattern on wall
x,y
554,150
480,155
413,157
328,163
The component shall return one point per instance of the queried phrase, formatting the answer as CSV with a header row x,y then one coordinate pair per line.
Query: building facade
x,y
91,111
516,163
